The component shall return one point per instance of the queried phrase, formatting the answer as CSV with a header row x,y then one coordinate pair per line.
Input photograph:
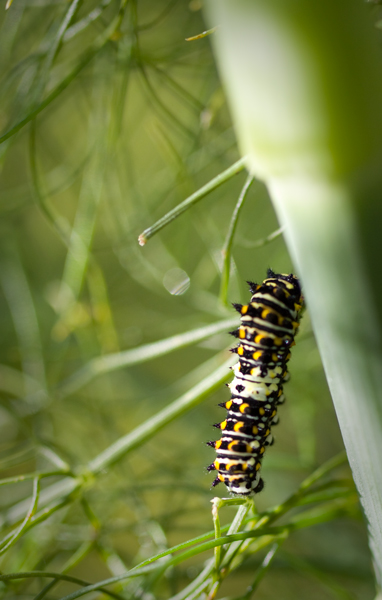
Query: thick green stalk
x,y
304,81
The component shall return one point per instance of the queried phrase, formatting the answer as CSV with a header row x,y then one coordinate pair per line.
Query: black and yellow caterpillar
x,y
269,324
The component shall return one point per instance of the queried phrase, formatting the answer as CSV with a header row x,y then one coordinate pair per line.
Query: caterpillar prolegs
x,y
269,324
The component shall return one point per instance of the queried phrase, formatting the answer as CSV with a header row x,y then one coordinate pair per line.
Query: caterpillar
x,y
269,324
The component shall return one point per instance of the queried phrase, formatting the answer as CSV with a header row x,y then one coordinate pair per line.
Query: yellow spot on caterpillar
x,y
218,444
262,450
238,426
243,407
228,404
244,309
278,341
258,338
261,411
258,466
297,307
293,343
255,430
265,313
295,324
221,477
274,357
223,424
274,413
217,464
268,431
257,355
241,333
231,445
240,350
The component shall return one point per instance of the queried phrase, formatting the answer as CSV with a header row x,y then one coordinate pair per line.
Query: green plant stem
x,y
10,540
53,95
56,577
191,200
77,557
29,476
262,570
167,9
137,571
140,434
59,223
203,579
125,444
119,360
263,241
53,50
17,290
86,21
217,529
227,248
99,43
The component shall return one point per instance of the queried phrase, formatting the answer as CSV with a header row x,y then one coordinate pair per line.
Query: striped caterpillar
x,y
269,324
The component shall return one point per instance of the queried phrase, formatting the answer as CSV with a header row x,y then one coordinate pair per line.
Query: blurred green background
x,y
114,121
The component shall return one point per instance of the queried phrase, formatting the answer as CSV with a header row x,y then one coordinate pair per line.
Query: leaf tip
x,y
142,239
